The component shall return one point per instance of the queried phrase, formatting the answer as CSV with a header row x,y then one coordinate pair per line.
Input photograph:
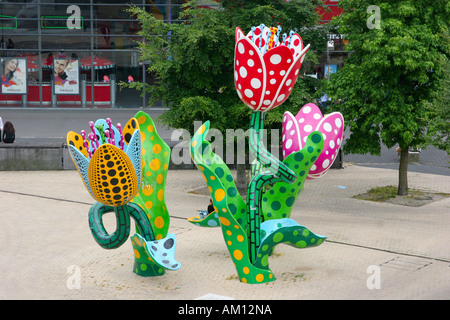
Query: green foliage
x,y
192,60
389,79
439,129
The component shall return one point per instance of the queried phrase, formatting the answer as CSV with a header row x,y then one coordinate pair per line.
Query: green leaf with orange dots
x,y
229,206
202,155
155,164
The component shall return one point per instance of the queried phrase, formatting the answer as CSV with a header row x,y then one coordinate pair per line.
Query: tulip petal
x,y
308,119
278,62
291,135
296,45
265,83
332,128
82,164
129,129
134,153
259,36
249,74
283,76
76,140
238,34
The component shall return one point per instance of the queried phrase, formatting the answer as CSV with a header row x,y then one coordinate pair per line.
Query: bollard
x,y
112,84
24,100
54,98
83,91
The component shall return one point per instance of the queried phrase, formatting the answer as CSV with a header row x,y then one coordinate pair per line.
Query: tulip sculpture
x,y
125,171
266,68
296,130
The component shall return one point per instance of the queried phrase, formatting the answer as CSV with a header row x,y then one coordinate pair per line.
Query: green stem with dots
x,y
123,213
142,265
273,171
101,236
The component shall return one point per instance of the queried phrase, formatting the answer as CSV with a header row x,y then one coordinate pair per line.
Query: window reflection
x,y
40,30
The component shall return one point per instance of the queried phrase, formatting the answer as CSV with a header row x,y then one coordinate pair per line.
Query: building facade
x,y
82,32
39,37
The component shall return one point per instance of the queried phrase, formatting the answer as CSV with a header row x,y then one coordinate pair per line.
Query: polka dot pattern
x,y
155,164
285,231
297,129
229,206
112,176
265,81
210,221
250,82
278,202
76,140
157,255
282,76
110,186
129,129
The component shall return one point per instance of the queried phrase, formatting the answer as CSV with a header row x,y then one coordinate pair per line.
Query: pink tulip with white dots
x,y
296,130
266,66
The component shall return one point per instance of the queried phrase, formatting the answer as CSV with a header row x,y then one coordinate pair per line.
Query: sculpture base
x,y
147,269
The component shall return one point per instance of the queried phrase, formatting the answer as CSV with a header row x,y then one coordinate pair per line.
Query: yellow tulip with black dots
x,y
111,169
112,177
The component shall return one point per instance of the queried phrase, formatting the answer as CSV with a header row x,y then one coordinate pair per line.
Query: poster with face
x,y
14,75
66,76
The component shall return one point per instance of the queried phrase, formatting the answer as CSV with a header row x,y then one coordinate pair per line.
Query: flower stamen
x,y
85,143
121,141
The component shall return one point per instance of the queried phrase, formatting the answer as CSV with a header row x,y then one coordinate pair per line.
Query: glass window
x,y
42,30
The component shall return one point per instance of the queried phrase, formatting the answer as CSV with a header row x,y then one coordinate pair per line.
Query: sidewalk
x,y
46,241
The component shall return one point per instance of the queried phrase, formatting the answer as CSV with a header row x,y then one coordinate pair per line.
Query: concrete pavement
x,y
373,250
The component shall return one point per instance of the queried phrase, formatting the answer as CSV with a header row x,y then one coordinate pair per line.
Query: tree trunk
x,y
241,178
403,172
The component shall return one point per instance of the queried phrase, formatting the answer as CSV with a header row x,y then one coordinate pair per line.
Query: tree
x,y
192,60
439,130
398,54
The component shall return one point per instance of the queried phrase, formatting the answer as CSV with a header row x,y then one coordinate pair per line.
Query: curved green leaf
x,y
287,231
232,219
279,201
155,164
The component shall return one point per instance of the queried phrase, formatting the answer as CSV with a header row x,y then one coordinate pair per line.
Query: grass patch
x,y
415,198
379,194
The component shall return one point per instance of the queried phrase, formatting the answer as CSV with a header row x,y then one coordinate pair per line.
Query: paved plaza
x,y
373,250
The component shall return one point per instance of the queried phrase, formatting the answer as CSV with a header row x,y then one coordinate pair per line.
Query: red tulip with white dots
x,y
308,119
266,66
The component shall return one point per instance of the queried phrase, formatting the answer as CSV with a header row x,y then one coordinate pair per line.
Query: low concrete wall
x,y
56,156
47,156
67,163
31,157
